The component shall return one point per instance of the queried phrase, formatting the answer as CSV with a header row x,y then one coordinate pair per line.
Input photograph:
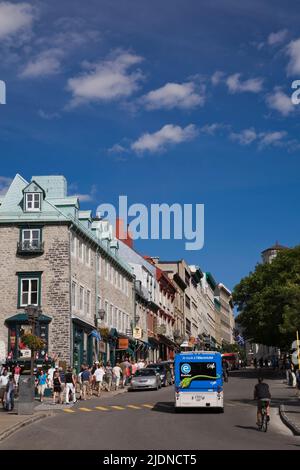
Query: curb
x,y
292,426
22,424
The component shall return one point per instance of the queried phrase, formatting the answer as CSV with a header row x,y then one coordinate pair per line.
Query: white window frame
x,y
81,300
81,250
112,310
107,313
112,274
88,302
29,279
73,244
74,294
87,256
31,238
33,209
99,302
107,266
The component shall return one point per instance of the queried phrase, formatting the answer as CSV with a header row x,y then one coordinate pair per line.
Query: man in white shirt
x,y
50,373
140,364
4,378
99,374
117,371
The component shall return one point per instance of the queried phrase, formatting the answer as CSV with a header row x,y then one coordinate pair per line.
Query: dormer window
x,y
33,197
33,202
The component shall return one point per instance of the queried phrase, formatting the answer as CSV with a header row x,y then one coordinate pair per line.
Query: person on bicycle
x,y
225,370
262,394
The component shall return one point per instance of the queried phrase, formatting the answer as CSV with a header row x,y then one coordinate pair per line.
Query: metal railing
x,y
30,247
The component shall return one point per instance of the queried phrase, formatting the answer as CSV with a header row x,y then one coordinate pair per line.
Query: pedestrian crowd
x,y
67,385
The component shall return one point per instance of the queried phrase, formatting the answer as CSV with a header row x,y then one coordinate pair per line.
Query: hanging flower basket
x,y
33,342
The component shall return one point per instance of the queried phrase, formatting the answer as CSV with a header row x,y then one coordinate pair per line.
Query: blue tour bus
x,y
198,379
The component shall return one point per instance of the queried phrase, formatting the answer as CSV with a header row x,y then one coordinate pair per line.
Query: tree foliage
x,y
268,300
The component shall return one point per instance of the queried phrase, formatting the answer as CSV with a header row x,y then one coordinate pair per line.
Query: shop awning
x,y
23,318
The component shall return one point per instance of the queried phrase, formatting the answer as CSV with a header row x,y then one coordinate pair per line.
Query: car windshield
x,y
144,372
158,367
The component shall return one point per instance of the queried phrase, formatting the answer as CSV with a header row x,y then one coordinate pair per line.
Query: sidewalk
x,y
284,397
11,422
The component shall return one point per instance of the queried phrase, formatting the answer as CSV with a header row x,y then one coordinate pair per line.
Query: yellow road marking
x,y
85,409
118,407
134,407
101,408
68,411
148,406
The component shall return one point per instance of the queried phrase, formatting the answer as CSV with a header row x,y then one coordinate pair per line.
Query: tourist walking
x,y
56,387
70,386
108,376
117,372
42,384
4,378
98,376
85,378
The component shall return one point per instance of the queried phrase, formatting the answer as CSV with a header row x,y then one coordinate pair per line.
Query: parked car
x,y
145,379
164,370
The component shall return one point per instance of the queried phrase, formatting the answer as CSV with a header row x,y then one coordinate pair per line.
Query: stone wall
x,y
55,289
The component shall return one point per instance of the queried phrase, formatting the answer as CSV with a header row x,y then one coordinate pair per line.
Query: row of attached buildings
x,y
95,296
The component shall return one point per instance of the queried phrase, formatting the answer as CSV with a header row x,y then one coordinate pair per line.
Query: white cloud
x,y
4,184
245,137
117,149
271,138
175,95
106,81
293,51
263,139
217,77
45,115
86,197
211,129
235,85
167,135
277,38
44,64
281,102
15,18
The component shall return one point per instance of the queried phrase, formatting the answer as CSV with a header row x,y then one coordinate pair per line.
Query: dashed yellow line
x,y
148,406
134,407
84,409
101,408
118,407
66,410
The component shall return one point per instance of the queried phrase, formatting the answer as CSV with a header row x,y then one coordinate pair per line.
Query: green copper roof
x,y
54,209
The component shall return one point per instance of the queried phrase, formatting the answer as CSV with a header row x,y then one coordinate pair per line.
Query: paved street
x,y
146,420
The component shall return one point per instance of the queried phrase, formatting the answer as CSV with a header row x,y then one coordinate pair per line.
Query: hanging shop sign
x,y
137,332
123,343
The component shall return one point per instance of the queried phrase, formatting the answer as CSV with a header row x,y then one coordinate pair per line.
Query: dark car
x,y
164,370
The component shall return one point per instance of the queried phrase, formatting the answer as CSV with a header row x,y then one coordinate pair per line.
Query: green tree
x,y
268,300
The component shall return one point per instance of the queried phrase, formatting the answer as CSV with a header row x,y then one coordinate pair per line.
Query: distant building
x,y
270,253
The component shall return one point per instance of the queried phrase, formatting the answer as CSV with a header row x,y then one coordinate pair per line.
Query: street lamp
x,y
33,315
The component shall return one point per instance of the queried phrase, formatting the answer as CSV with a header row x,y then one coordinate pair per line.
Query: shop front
x,y
18,325
84,344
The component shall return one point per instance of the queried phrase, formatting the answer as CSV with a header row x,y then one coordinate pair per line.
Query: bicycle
x,y
263,426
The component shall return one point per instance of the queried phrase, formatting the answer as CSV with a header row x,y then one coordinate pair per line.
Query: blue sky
x,y
171,101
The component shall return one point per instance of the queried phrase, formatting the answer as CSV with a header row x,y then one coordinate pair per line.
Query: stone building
x,y
226,314
56,257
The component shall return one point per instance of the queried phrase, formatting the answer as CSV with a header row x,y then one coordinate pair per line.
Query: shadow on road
x,y
252,428
168,407
266,372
